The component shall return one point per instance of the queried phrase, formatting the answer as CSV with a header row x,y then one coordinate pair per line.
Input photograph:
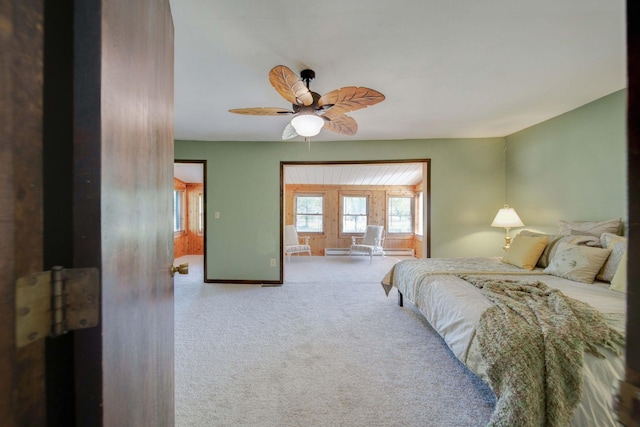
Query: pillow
x,y
525,251
619,281
607,238
591,227
595,243
577,262
552,244
618,246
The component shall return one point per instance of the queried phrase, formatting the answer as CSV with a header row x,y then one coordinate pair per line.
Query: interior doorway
x,y
189,209
379,183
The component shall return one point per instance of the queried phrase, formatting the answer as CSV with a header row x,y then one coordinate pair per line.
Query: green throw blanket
x,y
533,341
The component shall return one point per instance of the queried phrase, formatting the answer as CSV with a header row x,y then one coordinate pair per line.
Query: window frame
x,y
341,213
200,213
419,212
179,211
412,215
321,215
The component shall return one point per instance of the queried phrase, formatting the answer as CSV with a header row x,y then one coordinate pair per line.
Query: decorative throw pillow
x,y
595,228
619,281
607,238
618,246
525,251
577,262
552,244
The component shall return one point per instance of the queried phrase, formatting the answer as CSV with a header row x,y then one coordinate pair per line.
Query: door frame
x,y
426,188
204,206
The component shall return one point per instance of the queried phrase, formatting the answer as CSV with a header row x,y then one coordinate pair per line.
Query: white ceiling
x,y
448,69
344,174
190,173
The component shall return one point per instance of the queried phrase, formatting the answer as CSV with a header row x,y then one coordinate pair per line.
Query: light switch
x,y
217,215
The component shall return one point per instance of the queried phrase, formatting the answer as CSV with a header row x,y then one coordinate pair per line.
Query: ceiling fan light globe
x,y
307,124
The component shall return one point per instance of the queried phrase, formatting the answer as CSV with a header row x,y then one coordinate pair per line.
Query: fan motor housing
x,y
307,75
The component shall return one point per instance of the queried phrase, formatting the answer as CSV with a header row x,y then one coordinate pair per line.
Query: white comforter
x,y
453,307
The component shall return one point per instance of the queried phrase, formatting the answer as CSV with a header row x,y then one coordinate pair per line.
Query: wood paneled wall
x,y
331,237
195,240
419,251
189,242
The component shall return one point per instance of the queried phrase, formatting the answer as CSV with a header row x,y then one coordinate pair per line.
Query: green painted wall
x,y
572,167
243,184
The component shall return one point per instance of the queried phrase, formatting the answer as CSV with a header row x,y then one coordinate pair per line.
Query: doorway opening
x,y
189,211
348,195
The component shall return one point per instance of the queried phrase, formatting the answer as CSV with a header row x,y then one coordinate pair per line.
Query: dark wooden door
x,y
86,119
22,386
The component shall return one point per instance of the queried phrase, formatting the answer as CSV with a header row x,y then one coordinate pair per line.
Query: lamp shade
x,y
307,124
507,218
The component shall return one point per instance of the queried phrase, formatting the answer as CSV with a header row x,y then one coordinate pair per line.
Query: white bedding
x,y
453,307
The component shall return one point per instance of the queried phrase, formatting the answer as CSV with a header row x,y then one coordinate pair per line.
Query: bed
x,y
557,369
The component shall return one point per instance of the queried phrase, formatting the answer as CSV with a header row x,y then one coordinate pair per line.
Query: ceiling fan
x,y
312,112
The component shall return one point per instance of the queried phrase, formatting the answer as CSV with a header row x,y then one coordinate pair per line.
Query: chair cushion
x,y
297,248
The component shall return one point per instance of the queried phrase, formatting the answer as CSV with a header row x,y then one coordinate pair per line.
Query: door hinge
x,y
51,303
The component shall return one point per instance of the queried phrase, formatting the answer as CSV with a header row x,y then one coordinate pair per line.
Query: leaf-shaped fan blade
x,y
289,86
259,111
289,132
340,123
350,98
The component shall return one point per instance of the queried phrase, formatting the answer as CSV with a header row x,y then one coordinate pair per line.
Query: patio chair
x,y
292,243
372,242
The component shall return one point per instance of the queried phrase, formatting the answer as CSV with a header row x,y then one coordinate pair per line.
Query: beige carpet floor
x,y
327,348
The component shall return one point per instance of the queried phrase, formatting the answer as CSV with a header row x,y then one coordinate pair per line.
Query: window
x,y
309,215
178,211
354,214
400,216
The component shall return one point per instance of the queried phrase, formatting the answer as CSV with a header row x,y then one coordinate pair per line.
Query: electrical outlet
x,y
273,262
